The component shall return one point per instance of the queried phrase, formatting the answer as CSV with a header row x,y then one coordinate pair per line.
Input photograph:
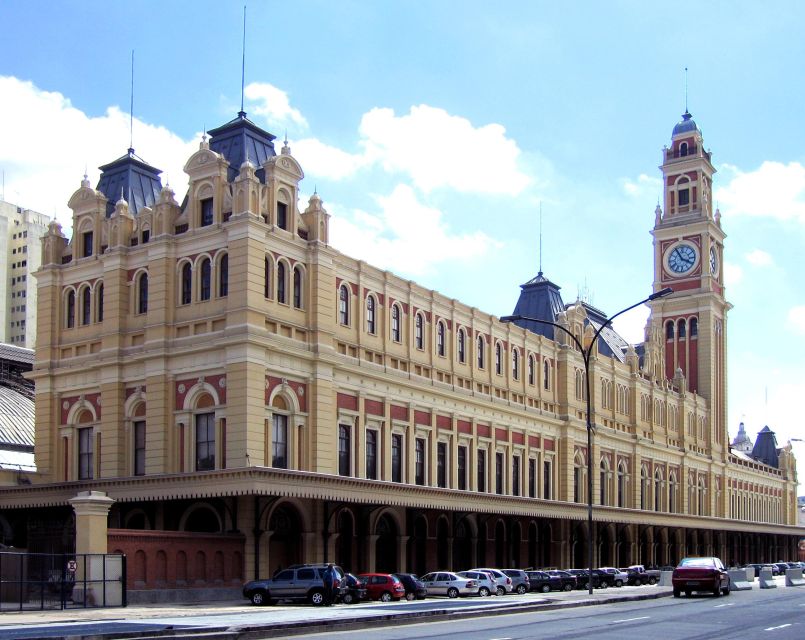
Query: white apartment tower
x,y
21,231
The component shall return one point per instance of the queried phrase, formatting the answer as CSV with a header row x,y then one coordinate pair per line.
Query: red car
x,y
700,574
383,586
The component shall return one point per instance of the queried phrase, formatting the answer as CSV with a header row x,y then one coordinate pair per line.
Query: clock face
x,y
713,261
682,258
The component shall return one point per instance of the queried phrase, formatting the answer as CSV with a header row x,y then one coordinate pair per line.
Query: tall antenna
x,y
242,113
540,237
131,108
686,89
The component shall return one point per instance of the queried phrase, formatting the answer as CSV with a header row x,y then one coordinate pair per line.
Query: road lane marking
x,y
718,606
782,626
631,619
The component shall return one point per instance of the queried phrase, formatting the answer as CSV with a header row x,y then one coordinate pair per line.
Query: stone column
x,y
91,544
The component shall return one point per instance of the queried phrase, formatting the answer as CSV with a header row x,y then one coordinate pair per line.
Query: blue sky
x,y
433,130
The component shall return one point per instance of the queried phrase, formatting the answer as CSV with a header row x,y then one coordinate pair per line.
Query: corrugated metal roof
x,y
240,140
16,354
16,419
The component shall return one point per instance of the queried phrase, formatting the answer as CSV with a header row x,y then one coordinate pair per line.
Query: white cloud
x,y
733,274
796,319
774,190
406,236
324,161
759,258
441,150
47,143
272,104
644,185
632,324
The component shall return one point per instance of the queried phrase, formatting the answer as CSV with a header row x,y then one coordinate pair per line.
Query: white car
x,y
503,583
447,583
486,584
619,578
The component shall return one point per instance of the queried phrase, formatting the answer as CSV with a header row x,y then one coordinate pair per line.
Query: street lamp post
x,y
586,353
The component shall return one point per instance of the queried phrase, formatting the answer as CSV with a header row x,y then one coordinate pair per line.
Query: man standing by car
x,y
328,578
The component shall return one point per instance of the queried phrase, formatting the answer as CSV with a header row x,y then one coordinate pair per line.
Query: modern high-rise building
x,y
248,397
21,232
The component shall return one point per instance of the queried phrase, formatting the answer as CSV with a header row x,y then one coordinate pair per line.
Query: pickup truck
x,y
639,575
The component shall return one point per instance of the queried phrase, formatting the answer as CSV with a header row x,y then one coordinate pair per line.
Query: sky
x,y
434,131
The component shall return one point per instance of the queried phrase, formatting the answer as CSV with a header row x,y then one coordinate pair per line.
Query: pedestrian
x,y
328,578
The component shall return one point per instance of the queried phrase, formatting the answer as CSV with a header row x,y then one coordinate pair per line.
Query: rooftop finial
x,y
686,90
131,109
242,113
540,238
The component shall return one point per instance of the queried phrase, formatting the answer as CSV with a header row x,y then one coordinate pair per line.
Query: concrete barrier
x,y
738,581
767,579
793,578
665,578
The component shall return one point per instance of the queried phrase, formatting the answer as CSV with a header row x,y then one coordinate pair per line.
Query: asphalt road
x,y
777,614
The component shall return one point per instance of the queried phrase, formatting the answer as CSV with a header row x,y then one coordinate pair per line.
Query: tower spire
x,y
242,113
686,90
131,108
540,238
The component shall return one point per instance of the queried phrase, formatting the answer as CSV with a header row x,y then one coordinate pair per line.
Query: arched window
x,y
142,298
481,345
546,373
669,330
462,346
187,283
297,288
683,149
267,278
281,282
604,473
498,358
643,487
343,305
419,331
395,323
622,485
672,485
680,328
99,303
86,306
371,323
440,338
223,276
71,309
694,327
515,364
206,278
531,370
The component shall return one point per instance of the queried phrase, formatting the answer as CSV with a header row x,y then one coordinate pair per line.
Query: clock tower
x,y
688,256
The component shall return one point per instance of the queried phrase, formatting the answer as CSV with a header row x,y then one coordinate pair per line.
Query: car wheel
x,y
316,598
483,592
545,588
347,598
677,593
717,591
618,583
521,589
726,590
567,587
652,581
409,596
501,591
385,597
452,592
687,593
259,598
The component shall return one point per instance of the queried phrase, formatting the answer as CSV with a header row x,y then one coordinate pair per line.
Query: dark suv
x,y
300,583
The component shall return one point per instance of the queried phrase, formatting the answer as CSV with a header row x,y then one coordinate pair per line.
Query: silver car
x,y
503,583
486,585
447,583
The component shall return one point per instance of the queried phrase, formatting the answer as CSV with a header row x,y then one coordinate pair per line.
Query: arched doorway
x,y
500,544
442,545
533,545
386,548
419,562
604,550
346,539
578,544
462,545
284,544
624,545
516,540
544,542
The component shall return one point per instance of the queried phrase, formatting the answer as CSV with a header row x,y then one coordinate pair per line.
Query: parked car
x,y
619,577
782,567
447,583
486,583
582,579
519,580
299,582
566,581
637,574
414,587
503,583
355,590
383,586
700,574
545,581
